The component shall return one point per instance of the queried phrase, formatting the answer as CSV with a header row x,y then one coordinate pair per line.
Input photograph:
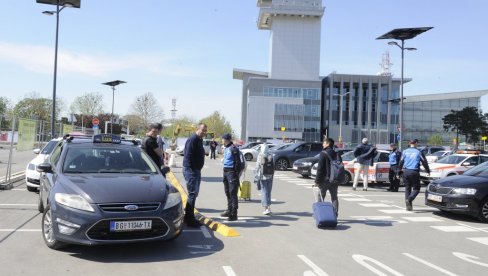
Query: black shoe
x,y
365,189
408,203
225,214
232,218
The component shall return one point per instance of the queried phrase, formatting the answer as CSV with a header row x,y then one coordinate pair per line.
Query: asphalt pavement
x,y
375,236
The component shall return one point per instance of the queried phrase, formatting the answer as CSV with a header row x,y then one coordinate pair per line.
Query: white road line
x,y
468,258
474,228
357,199
440,269
228,271
394,211
452,229
24,190
20,230
316,269
5,204
482,240
362,260
422,219
205,232
305,184
374,205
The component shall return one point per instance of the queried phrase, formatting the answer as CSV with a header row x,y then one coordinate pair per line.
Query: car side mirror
x,y
45,168
465,164
37,151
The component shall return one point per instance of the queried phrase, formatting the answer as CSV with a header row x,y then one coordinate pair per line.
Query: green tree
x,y
469,122
87,104
4,104
435,140
35,107
218,124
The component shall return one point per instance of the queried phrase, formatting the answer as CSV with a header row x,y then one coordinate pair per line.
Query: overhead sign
x,y
95,121
283,128
484,138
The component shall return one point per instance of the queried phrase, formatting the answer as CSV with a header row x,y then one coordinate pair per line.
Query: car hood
x,y
308,159
462,181
40,158
111,188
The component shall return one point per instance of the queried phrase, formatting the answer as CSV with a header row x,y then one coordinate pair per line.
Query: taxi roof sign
x,y
106,138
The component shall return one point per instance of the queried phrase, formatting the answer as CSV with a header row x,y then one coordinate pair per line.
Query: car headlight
x,y
464,191
307,164
172,200
73,201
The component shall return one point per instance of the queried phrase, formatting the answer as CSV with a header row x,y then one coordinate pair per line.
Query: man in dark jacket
x,y
231,177
213,148
150,144
194,158
365,154
394,160
323,173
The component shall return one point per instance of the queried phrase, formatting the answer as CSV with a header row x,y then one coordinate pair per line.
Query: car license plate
x,y
295,168
135,225
436,198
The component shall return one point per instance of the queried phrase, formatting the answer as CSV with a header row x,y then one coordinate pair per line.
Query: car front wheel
x,y
281,164
248,156
483,216
48,230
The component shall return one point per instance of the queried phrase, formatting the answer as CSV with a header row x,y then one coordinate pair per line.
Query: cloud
x,y
40,59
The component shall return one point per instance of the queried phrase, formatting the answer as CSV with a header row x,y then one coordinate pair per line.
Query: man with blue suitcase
x,y
325,213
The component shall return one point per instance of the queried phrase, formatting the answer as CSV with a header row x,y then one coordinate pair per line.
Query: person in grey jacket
x,y
365,154
265,172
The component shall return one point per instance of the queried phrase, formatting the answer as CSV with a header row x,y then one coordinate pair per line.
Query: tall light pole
x,y
402,35
63,4
112,84
340,116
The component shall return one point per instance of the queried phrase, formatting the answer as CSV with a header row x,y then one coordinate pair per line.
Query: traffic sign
x,y
283,128
95,127
95,121
484,138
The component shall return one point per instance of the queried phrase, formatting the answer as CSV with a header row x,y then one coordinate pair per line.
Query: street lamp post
x,y
112,84
402,35
63,4
340,116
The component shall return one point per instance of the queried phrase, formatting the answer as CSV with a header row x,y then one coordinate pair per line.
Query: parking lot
x,y
375,236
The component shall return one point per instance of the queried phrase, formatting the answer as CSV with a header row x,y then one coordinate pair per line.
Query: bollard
x,y
172,163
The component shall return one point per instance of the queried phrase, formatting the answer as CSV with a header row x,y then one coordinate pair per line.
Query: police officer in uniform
x,y
231,177
394,160
410,165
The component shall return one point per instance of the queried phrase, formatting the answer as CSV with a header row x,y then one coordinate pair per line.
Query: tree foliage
x,y
435,140
148,110
4,105
218,124
35,107
469,122
88,104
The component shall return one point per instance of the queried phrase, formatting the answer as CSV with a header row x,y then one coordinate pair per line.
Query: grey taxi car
x,y
103,190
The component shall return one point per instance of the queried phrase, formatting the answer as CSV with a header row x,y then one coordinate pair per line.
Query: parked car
x,y
252,153
427,150
452,165
251,145
466,194
206,146
281,147
304,166
32,176
105,191
284,158
437,155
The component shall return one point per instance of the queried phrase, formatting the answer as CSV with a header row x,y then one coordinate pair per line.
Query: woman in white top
x,y
265,172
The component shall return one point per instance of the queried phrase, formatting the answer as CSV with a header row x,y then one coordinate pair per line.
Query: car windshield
x,y
257,148
452,159
107,160
49,147
282,147
480,170
348,156
438,153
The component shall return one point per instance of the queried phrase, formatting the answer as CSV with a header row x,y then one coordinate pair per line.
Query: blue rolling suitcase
x,y
324,213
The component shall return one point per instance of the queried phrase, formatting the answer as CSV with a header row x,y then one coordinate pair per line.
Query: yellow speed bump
x,y
214,225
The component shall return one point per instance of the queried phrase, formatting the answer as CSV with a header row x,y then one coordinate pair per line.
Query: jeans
x,y
360,168
266,187
212,154
332,188
231,187
411,179
193,179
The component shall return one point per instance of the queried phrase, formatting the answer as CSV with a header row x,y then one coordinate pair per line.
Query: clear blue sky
x,y
187,49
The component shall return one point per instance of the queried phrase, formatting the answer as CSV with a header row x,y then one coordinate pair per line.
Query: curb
x,y
14,178
214,225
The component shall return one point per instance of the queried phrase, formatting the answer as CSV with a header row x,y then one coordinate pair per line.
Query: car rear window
x,y
452,159
49,147
107,160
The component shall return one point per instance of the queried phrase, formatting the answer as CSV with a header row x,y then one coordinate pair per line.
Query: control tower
x,y
295,26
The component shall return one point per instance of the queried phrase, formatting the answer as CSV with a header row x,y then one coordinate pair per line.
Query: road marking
x,y
316,269
482,240
5,204
394,211
474,228
24,190
357,199
422,219
374,205
452,229
362,260
20,230
430,265
205,232
468,258
229,271
304,184
378,219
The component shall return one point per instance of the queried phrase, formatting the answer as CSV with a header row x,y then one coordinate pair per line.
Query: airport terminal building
x,y
293,101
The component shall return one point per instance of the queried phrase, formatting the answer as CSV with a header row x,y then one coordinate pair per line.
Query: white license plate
x,y
424,174
436,198
295,168
135,225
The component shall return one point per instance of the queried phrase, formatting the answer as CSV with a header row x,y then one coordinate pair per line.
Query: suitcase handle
x,y
320,199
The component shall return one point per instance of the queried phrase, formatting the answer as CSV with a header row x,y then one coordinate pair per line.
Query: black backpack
x,y
337,170
268,167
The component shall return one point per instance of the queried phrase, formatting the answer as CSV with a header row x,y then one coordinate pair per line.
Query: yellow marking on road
x,y
214,225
